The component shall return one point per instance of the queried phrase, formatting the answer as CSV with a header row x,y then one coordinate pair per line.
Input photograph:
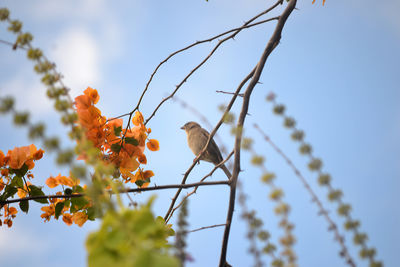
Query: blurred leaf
x,y
131,238
79,202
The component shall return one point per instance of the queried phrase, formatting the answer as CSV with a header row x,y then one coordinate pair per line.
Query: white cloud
x,y
77,57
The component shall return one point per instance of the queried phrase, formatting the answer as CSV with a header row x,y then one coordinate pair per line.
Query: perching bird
x,y
197,138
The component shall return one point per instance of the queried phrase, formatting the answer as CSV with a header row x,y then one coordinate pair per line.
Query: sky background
x,y
336,70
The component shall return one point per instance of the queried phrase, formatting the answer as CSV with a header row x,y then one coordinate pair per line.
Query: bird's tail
x,y
226,171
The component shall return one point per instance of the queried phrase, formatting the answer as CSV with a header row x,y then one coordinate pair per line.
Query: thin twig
x,y
246,25
220,42
195,189
322,210
13,45
206,227
228,93
272,43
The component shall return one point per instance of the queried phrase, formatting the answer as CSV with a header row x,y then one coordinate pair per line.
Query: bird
x,y
197,138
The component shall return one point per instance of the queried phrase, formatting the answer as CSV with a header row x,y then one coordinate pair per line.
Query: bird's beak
x,y
183,127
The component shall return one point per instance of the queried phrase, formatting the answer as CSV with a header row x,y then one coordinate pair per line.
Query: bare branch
x,y
195,189
205,227
13,45
272,43
246,25
228,93
132,190
236,31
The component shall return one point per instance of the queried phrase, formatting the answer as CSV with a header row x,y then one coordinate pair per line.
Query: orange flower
x,y
96,135
38,154
51,182
30,164
67,218
2,184
147,174
137,119
138,176
22,192
48,212
4,172
65,180
19,155
153,145
90,117
128,164
1,158
82,102
8,222
79,218
92,94
55,181
142,159
10,211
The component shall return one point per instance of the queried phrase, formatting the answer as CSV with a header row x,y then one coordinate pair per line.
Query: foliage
x,y
131,238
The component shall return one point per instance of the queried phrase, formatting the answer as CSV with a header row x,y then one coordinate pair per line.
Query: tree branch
x,y
205,227
246,25
236,31
132,190
272,43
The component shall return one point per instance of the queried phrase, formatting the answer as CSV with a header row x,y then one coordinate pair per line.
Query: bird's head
x,y
190,125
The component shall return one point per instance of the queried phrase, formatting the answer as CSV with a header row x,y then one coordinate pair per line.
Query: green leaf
x,y
132,141
68,191
21,171
79,202
91,213
78,189
117,130
37,191
139,183
24,205
9,191
131,238
18,182
73,209
116,148
58,209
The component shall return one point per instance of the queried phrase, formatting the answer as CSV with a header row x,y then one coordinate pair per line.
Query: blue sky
x,y
336,70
